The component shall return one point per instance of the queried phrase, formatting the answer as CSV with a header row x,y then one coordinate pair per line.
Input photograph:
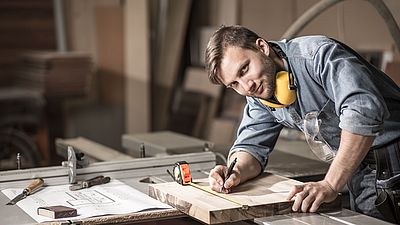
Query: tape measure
x,y
181,174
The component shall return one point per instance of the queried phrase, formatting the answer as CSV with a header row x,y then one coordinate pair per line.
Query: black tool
x,y
228,173
36,184
89,183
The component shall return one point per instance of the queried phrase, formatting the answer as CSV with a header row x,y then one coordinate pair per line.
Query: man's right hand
x,y
216,179
246,168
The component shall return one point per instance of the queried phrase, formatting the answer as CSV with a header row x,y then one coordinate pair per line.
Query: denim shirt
x,y
348,92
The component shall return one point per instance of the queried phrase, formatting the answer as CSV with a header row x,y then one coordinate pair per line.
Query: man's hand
x,y
216,179
246,168
352,150
309,196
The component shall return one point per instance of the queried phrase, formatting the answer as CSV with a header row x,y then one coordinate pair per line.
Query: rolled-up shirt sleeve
x,y
348,81
257,133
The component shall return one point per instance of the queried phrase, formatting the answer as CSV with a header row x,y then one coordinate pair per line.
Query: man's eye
x,y
232,85
244,69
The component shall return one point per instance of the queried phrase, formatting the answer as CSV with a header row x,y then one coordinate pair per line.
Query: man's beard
x,y
269,79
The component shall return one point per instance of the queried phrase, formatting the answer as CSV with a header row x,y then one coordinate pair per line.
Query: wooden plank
x,y
137,66
168,61
110,53
264,196
81,25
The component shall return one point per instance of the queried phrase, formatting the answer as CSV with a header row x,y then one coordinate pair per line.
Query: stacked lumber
x,y
56,74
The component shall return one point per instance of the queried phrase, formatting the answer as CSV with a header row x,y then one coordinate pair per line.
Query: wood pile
x,y
56,74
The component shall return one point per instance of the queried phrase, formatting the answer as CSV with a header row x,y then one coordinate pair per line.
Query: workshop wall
x,y
355,22
100,28
268,18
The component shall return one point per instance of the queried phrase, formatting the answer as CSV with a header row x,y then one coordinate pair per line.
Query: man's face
x,y
248,72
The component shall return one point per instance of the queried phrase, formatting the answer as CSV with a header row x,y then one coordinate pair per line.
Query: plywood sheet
x,y
264,196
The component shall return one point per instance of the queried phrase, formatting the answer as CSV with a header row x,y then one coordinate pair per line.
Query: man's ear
x,y
263,46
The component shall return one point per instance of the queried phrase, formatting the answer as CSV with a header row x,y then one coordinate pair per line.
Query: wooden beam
x,y
137,66
169,60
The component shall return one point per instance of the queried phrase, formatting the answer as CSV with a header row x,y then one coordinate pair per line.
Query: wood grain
x,y
264,196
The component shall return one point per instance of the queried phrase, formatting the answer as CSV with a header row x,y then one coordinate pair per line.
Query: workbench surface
x,y
139,179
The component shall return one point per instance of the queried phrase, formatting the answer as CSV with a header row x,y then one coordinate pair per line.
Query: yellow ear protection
x,y
285,90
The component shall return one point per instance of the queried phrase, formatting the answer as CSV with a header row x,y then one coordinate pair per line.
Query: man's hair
x,y
223,38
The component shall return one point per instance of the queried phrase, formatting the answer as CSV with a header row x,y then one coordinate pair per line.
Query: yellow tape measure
x,y
224,196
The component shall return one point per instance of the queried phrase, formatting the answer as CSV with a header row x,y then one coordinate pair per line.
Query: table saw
x,y
139,173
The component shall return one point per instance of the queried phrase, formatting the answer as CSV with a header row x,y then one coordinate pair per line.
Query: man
x,y
345,106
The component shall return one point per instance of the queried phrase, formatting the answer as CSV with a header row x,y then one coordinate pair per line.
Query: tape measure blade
x,y
224,196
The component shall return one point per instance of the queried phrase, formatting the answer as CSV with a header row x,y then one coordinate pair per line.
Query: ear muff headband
x,y
285,90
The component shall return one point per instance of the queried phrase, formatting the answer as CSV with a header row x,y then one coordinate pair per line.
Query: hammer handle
x,y
98,180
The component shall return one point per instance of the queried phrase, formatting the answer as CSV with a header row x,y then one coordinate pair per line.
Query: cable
x,y
321,6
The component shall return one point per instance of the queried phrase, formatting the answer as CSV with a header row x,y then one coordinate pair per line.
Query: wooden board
x,y
137,66
264,196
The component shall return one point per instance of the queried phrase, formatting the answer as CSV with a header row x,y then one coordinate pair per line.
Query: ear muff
x,y
285,92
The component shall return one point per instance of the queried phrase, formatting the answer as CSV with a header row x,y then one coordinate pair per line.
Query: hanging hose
x,y
321,6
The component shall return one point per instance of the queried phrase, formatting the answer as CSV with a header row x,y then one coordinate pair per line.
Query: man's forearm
x,y
247,166
352,150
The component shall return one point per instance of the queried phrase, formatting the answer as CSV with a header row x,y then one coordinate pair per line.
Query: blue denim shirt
x,y
348,92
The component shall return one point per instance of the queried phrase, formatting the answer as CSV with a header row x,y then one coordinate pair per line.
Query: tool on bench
x,y
71,165
181,174
75,160
33,186
89,183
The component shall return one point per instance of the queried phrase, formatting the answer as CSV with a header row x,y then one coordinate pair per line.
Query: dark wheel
x,y
13,141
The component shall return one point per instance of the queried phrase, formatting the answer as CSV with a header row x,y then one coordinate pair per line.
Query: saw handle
x,y
35,184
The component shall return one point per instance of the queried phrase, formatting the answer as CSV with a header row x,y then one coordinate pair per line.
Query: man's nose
x,y
247,85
